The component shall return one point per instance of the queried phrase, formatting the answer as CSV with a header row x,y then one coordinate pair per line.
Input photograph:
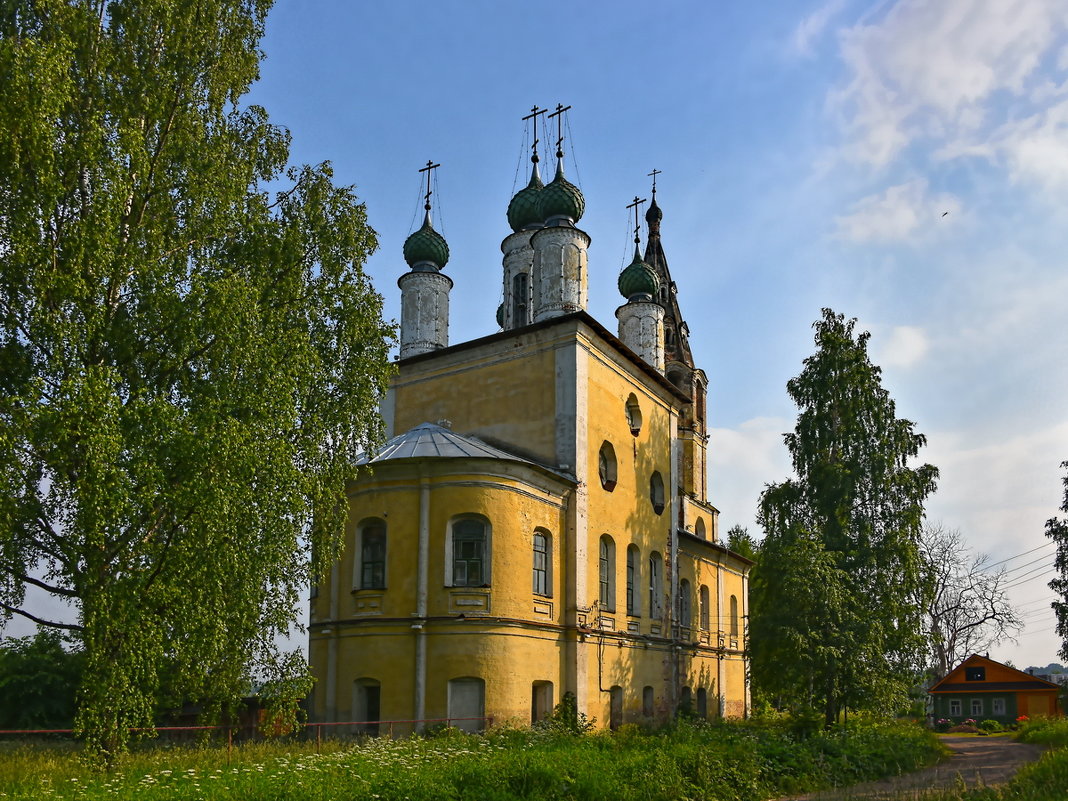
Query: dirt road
x,y
986,760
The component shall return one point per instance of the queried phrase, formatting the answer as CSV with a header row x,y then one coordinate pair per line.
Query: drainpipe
x,y
419,626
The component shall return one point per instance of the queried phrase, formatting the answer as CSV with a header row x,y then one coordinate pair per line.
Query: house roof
x,y
1007,679
429,441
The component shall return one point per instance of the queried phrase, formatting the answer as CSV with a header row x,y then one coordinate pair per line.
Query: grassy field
x,y
748,761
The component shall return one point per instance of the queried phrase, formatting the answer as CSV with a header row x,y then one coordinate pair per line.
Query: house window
x,y
634,415
520,299
467,704
656,584
615,709
366,706
607,574
541,700
371,574
634,596
685,605
648,699
977,707
734,616
470,553
997,706
975,674
542,562
656,492
606,466
702,702
705,611
954,707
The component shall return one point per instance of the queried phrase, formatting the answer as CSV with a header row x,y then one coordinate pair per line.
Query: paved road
x,y
989,760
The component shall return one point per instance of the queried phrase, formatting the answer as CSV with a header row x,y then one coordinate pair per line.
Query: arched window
x,y
542,563
634,415
706,615
634,580
608,574
699,528
520,299
685,605
371,551
656,491
702,702
656,584
606,466
734,616
648,701
615,709
467,703
541,700
686,701
468,549
366,705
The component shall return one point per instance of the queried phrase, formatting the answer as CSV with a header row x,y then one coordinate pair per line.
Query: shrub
x,y
990,726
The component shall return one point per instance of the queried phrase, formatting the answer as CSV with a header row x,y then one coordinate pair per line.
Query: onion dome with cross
x,y
426,249
638,281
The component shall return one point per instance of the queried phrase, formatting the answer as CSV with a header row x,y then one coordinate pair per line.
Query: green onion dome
x,y
426,245
500,316
638,279
523,210
561,198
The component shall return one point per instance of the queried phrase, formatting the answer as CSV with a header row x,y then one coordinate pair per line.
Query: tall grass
x,y
727,761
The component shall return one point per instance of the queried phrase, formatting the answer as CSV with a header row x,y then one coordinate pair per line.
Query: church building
x,y
538,521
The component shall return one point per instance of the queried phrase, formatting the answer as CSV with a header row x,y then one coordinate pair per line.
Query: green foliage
x,y
38,680
1057,530
730,761
567,719
835,621
990,726
189,363
741,542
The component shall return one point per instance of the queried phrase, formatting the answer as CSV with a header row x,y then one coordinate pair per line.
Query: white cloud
x,y
813,26
905,347
1036,149
928,69
897,214
741,461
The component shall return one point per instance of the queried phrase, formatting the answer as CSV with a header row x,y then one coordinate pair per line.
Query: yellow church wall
x,y
502,392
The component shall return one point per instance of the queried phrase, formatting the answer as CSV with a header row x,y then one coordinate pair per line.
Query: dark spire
x,y
677,344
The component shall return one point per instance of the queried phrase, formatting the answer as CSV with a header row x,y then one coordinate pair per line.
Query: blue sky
x,y
809,153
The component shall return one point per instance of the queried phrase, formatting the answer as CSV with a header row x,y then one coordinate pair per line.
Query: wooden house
x,y
982,689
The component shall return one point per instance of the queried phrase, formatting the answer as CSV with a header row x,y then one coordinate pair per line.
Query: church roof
x,y
429,441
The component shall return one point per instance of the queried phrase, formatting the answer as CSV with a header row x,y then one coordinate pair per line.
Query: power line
x,y
1003,561
1042,558
1041,571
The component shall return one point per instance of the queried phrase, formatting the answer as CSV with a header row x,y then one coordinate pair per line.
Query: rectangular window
x,y
373,558
541,564
997,706
975,674
632,581
977,707
468,554
954,707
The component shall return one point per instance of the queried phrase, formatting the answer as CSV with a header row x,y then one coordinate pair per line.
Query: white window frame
x,y
546,571
955,705
977,708
357,556
487,551
997,706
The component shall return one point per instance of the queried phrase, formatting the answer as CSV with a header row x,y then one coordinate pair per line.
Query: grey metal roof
x,y
429,441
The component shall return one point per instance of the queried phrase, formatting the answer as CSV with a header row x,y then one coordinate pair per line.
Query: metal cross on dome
x,y
559,114
535,112
637,225
428,169
653,175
